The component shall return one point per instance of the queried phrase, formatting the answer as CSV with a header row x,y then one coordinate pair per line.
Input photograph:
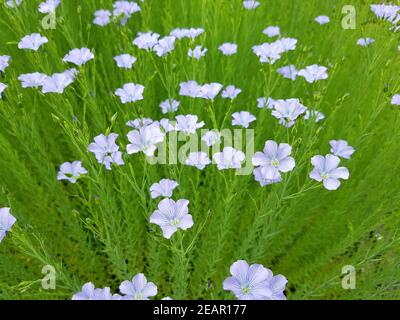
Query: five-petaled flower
x,y
255,282
171,216
145,139
273,160
326,170
138,289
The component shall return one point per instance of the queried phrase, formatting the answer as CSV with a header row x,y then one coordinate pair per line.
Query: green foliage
x,y
98,229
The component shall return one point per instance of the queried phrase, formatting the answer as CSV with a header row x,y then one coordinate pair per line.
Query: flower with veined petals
x,y
125,61
138,288
71,171
163,188
79,56
255,282
145,139
130,92
106,150
89,292
242,118
229,158
33,42
274,159
341,148
314,73
171,216
198,159
188,123
326,170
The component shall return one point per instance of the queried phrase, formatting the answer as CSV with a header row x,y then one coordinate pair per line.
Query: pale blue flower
x,y
49,6
125,61
33,42
139,123
288,72
211,137
197,52
272,31
7,220
322,20
228,48
326,170
146,40
250,4
138,288
171,216
102,17
242,118
231,92
124,10
71,171
89,292
395,100
274,159
57,82
164,46
314,73
2,88
169,106
198,159
260,175
167,125
255,282
314,114
365,42
4,62
13,3
163,188
32,80
106,150
209,90
130,92
188,124
341,148
229,158
145,139
287,111
79,56
190,89
191,33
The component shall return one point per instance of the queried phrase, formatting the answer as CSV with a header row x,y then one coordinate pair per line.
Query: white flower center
x,y
324,175
175,222
246,289
138,296
275,163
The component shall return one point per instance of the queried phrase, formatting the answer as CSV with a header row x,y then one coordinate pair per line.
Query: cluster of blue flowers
x,y
270,165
